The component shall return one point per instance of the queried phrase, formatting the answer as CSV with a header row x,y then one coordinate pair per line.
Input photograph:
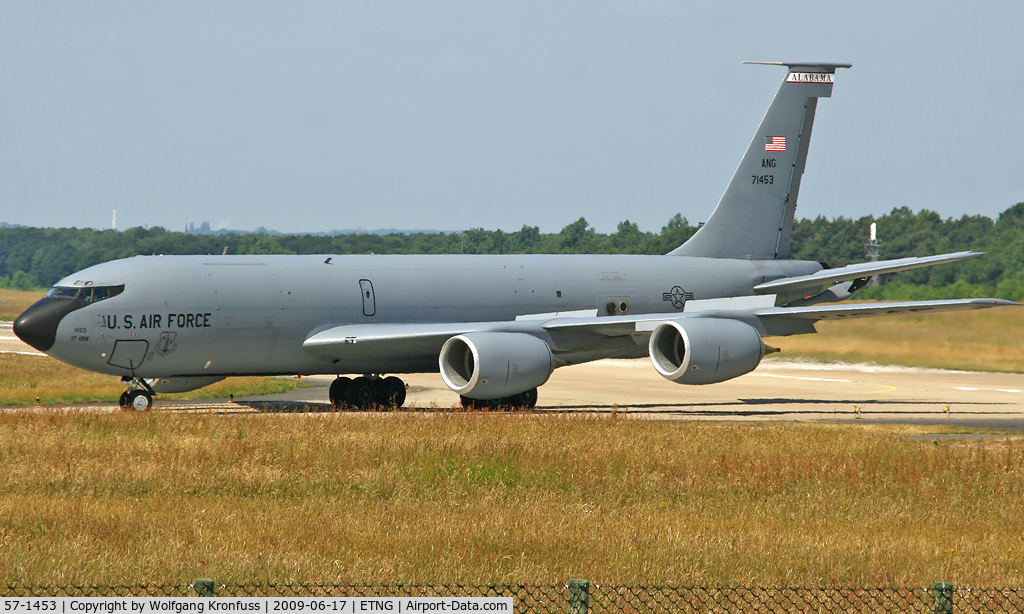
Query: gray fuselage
x,y
238,315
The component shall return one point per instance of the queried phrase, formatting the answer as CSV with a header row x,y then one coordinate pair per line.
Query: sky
x,y
313,116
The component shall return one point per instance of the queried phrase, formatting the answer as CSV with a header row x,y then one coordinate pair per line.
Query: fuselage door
x,y
129,353
369,303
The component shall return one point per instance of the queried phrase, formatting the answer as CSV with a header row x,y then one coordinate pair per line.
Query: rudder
x,y
754,218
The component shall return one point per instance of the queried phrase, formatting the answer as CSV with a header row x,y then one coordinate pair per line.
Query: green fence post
x,y
943,598
579,596
203,587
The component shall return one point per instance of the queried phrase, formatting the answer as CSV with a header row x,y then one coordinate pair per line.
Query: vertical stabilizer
x,y
754,219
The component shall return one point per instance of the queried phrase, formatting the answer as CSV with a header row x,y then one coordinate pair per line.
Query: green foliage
x,y
33,256
577,237
22,281
260,244
903,233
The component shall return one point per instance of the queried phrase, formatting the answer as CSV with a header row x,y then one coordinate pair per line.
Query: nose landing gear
x,y
138,397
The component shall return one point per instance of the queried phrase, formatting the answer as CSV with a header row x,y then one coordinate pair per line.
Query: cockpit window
x,y
62,293
89,294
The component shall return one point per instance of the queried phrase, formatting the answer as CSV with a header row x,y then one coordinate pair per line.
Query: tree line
x,y
39,257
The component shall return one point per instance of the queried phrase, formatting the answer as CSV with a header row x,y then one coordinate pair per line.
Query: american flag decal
x,y
775,143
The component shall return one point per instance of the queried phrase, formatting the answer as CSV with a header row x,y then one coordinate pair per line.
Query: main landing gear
x,y
366,392
523,400
138,397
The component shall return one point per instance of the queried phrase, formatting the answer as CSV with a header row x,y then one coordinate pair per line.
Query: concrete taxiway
x,y
10,344
779,389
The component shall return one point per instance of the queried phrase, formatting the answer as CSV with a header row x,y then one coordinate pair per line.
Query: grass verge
x,y
983,340
163,497
13,302
25,378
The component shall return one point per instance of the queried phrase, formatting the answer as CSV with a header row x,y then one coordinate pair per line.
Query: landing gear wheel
x,y
480,404
524,400
390,393
361,393
139,400
123,401
337,391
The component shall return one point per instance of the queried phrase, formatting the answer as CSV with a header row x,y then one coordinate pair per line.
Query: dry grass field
x,y
164,497
124,498
983,340
13,302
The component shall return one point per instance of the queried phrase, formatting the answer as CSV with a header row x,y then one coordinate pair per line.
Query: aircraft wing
x,y
864,310
766,319
356,339
856,271
400,339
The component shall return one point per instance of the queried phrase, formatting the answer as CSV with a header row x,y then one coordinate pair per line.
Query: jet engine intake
x,y
495,365
705,350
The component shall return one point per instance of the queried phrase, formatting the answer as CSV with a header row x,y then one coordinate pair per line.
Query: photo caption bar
x,y
254,605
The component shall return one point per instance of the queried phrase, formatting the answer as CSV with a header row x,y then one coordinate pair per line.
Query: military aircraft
x,y
494,326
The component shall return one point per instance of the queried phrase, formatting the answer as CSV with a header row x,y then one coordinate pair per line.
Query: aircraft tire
x,y
391,393
337,391
361,393
480,404
123,401
524,400
139,400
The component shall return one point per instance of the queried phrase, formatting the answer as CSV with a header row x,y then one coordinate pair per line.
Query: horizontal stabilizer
x,y
866,310
856,271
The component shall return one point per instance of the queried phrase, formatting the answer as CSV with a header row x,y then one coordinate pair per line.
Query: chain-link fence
x,y
582,597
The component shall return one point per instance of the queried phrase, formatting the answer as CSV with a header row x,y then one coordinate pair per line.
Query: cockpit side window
x,y
89,294
62,293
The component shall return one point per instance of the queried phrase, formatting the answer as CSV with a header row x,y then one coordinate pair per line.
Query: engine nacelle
x,y
705,350
488,366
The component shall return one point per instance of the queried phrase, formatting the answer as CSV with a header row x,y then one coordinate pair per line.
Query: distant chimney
x,y
871,250
113,222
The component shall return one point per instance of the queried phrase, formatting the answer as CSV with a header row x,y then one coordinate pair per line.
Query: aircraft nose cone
x,y
37,326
